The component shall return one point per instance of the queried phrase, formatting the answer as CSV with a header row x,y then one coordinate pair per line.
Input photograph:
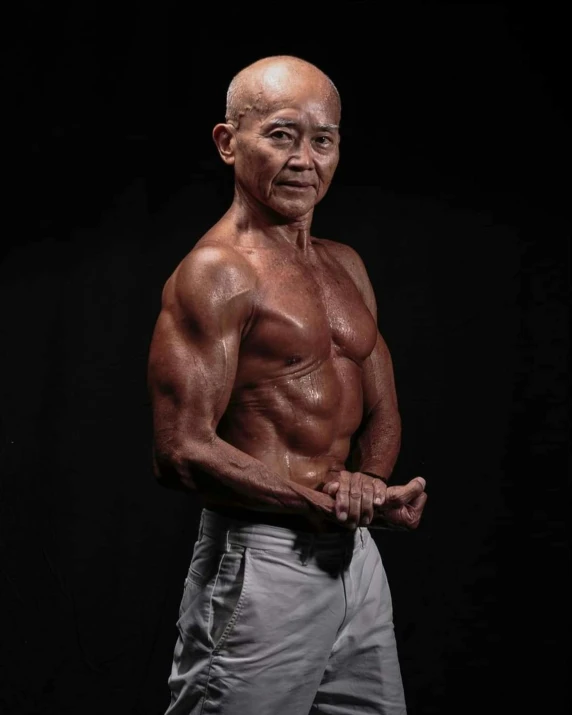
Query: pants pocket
x,y
227,597
209,610
205,562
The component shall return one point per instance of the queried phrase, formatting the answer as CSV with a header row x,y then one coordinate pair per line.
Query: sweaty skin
x,y
266,364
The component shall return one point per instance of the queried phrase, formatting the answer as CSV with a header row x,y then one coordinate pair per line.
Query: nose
x,y
302,158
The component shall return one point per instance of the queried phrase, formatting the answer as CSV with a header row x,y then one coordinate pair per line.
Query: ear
x,y
223,136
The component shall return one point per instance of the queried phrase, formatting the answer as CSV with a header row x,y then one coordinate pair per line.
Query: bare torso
x,y
297,395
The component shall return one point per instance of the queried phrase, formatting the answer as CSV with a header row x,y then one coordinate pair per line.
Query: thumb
x,y
331,488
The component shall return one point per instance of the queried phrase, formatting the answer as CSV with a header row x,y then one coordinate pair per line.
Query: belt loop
x,y
201,525
362,537
226,541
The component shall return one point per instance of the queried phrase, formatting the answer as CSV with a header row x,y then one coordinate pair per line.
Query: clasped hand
x,y
361,498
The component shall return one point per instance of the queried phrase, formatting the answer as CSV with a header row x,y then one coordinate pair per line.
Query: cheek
x,y
263,166
327,170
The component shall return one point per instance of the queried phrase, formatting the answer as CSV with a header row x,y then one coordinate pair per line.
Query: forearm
x,y
218,468
377,446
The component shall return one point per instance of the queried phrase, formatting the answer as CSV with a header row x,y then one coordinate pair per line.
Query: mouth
x,y
296,184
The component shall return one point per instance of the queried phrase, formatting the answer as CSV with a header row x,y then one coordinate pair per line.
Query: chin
x,y
293,210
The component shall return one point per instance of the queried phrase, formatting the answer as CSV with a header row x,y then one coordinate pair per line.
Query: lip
x,y
296,184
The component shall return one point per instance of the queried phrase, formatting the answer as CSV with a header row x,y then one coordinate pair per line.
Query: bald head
x,y
277,78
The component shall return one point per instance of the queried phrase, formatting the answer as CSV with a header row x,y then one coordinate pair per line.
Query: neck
x,y
250,215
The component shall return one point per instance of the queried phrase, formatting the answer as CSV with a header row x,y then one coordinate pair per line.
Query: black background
x,y
453,186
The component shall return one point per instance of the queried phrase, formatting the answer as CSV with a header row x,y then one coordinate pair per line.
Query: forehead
x,y
306,96
294,113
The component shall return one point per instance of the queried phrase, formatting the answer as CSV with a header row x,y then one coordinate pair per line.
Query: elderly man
x,y
274,401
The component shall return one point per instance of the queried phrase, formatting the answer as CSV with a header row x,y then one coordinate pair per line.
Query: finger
x,y
354,515
379,489
400,516
414,510
410,514
367,496
418,504
343,496
403,494
331,488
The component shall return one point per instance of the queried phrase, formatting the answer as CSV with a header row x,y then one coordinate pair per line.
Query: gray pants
x,y
281,622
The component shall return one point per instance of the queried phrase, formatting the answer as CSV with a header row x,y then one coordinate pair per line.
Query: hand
x,y
321,505
357,495
404,504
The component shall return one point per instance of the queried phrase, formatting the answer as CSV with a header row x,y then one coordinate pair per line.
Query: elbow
x,y
172,471
179,467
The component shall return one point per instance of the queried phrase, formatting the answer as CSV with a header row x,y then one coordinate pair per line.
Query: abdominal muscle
x,y
299,425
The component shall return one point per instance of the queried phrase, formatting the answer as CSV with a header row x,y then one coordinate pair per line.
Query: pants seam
x,y
218,646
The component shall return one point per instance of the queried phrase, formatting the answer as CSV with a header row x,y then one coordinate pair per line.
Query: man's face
x,y
286,153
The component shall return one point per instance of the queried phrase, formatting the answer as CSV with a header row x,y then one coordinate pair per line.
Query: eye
x,y
280,135
323,140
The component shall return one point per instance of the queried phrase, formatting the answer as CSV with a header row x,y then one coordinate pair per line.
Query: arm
x,y
192,367
378,440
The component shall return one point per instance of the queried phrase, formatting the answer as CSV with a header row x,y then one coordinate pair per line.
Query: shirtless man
x,y
274,401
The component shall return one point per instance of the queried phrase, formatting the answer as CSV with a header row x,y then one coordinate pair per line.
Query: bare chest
x,y
307,311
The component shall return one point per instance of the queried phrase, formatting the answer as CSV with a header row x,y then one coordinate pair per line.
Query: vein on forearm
x,y
378,442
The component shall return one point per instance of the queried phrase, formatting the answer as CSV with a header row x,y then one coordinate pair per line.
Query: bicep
x,y
191,374
194,353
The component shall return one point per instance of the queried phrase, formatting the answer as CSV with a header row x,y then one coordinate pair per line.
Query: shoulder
x,y
211,278
350,259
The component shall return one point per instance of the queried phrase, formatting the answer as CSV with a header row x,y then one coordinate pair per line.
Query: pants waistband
x,y
229,531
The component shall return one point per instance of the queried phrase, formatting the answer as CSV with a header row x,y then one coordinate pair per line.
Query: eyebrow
x,y
284,122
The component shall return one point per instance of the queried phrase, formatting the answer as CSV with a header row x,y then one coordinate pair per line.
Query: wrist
x,y
374,475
